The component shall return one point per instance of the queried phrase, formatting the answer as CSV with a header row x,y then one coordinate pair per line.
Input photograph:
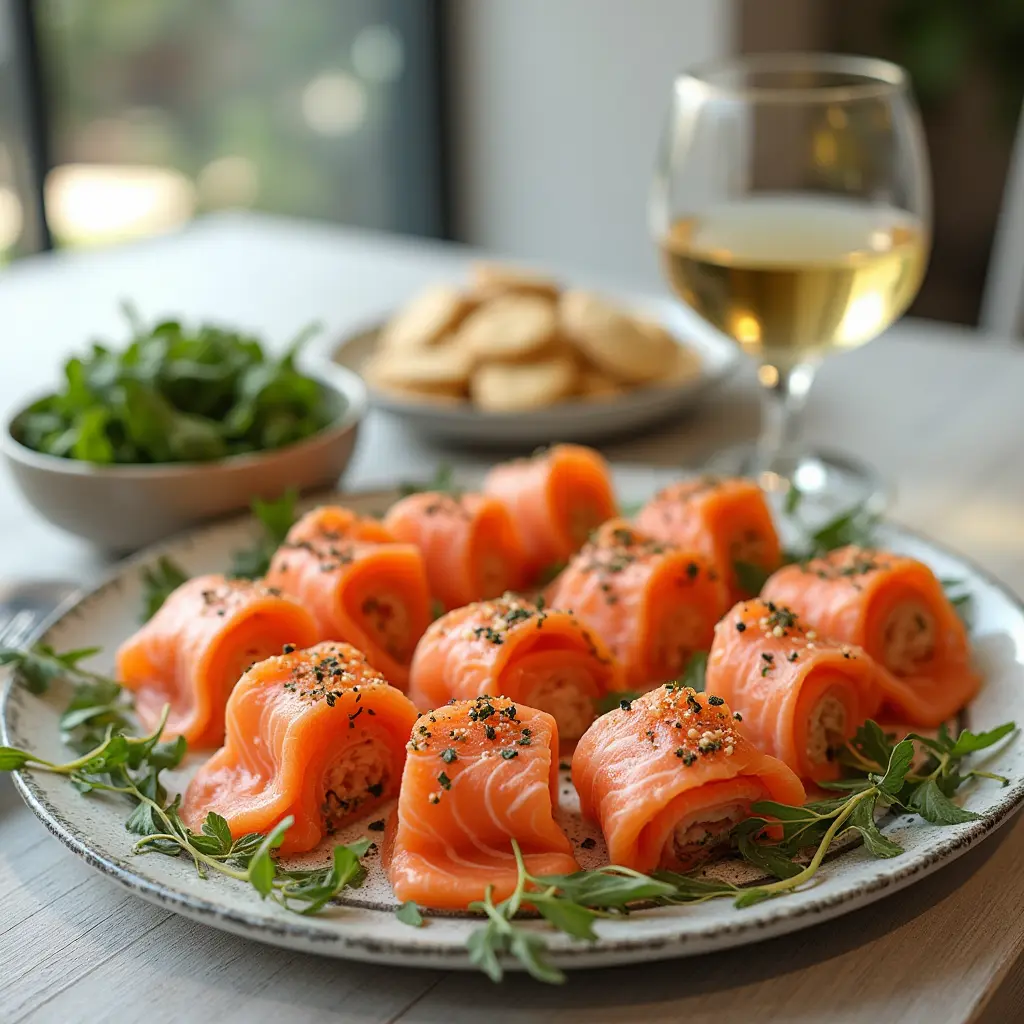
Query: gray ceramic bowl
x,y
121,508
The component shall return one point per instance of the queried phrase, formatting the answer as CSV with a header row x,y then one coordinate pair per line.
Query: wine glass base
x,y
829,483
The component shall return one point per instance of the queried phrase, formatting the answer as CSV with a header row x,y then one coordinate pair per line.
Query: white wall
x,y
557,114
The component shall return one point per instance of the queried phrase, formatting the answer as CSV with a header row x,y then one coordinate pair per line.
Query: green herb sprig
x,y
158,583
275,519
571,903
130,766
98,704
882,775
443,482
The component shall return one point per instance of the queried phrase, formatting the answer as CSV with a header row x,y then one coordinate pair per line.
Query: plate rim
x,y
283,932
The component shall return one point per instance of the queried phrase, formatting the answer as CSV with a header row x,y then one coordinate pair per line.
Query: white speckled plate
x,y
364,927
583,421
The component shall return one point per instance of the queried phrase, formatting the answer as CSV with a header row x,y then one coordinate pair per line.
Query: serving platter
x,y
363,925
582,421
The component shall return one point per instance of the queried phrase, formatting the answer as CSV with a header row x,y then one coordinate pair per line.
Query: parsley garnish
x,y
275,519
883,778
442,482
112,761
159,581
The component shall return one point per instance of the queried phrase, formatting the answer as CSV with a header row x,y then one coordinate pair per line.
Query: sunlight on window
x,y
93,204
334,103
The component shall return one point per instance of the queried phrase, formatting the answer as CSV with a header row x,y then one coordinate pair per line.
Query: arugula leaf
x,y
863,820
572,918
605,887
549,574
693,674
529,950
794,496
159,582
443,481
764,855
856,526
176,395
900,759
217,828
408,913
750,577
11,758
612,701
970,742
36,668
275,519
483,946
933,805
872,745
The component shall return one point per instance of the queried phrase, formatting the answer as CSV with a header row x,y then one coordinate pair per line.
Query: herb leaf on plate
x,y
275,519
158,583
112,760
443,481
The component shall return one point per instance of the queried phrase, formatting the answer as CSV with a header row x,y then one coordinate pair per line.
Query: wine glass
x,y
791,205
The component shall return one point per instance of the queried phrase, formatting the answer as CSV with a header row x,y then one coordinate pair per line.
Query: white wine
x,y
792,277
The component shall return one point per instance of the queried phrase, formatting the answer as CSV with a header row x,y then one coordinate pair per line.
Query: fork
x,y
25,608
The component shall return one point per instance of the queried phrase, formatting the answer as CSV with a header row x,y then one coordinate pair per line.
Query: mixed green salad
x,y
177,394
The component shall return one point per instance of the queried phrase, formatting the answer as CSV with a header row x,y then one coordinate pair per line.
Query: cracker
x,y
509,328
425,320
444,367
614,341
517,387
595,385
491,280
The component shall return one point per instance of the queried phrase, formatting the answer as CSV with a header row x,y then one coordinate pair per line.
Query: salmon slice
x,y
800,697
359,583
469,544
539,656
725,519
317,734
193,651
896,609
668,776
651,602
479,774
556,499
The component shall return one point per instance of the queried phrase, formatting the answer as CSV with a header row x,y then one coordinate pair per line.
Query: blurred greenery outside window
x,y
161,110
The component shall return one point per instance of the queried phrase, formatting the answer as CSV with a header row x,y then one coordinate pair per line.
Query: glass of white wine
x,y
791,205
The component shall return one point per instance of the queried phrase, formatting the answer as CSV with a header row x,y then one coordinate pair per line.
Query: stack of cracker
x,y
515,341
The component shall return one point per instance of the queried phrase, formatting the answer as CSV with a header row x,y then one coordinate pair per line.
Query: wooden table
x,y
935,408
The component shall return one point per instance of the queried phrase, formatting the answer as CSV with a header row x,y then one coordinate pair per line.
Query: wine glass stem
x,y
784,397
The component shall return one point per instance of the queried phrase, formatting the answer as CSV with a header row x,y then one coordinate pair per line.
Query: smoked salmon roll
x,y
469,544
895,608
652,603
193,651
668,775
725,519
359,583
556,498
479,774
798,697
316,734
535,655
